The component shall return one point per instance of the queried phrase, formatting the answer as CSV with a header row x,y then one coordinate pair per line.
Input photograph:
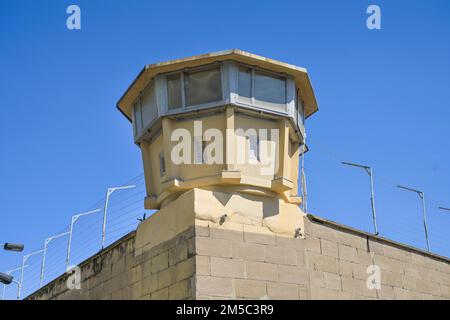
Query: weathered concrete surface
x,y
174,255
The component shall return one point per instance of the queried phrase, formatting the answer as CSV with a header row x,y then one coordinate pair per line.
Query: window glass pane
x,y
245,83
269,88
148,106
300,109
174,91
137,118
203,86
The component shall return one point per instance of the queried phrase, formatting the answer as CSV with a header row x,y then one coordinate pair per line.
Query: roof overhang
x,y
299,74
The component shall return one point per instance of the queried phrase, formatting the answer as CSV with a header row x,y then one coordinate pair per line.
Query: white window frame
x,y
275,107
182,74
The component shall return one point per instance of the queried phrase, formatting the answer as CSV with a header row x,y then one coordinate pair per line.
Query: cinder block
x,y
107,286
166,277
289,242
352,285
258,234
201,228
261,271
250,289
286,256
347,253
292,274
422,285
119,282
136,290
227,231
179,290
223,267
117,295
402,294
386,292
162,294
396,253
323,294
313,244
444,291
417,259
391,279
185,269
369,292
360,271
214,286
352,240
322,232
329,248
375,247
303,293
332,281
150,284
442,266
346,268
178,253
389,264
248,251
191,246
203,265
145,269
160,262
316,279
213,247
323,263
364,257
118,267
282,291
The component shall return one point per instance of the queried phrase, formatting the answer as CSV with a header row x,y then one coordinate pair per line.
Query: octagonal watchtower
x,y
257,105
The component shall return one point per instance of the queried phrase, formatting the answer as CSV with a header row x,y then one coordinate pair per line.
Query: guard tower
x,y
229,125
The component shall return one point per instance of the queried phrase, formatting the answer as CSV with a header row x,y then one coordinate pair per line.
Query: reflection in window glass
x,y
203,86
137,118
269,88
174,91
148,107
300,110
245,83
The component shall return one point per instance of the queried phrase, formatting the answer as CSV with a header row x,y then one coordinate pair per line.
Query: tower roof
x,y
299,74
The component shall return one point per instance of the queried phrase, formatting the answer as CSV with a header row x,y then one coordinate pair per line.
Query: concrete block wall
x,y
165,271
240,261
338,257
250,262
236,261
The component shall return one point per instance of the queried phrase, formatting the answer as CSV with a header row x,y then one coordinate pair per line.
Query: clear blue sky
x,y
383,98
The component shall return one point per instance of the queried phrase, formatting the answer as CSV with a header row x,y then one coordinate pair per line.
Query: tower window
x,y
269,88
245,82
137,118
162,164
174,91
203,86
